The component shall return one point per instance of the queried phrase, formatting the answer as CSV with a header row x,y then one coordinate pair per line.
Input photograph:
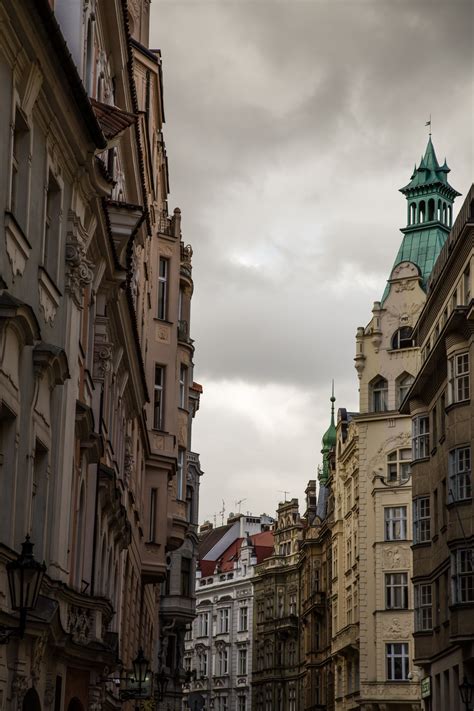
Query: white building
x,y
218,647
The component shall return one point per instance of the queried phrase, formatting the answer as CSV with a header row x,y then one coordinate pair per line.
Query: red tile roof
x,y
263,546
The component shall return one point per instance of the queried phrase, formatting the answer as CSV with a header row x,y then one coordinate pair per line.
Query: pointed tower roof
x,y
328,441
430,198
429,173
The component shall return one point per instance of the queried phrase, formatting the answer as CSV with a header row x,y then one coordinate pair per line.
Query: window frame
x,y
420,437
392,520
158,403
423,593
242,662
421,520
459,575
379,395
243,619
391,657
396,591
396,459
183,378
163,282
458,380
460,475
180,474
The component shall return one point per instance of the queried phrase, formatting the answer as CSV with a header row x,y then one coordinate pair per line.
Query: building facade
x,y
440,406
372,594
96,371
277,640
218,656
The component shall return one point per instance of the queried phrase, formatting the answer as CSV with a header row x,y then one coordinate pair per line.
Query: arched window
x,y
450,215
399,466
80,537
379,395
31,702
403,338
412,213
445,214
421,211
404,383
431,210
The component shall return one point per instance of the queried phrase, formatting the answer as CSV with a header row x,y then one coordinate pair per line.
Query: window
x,y
187,664
460,487
241,703
186,577
396,523
421,520
52,227
397,661
403,338
404,384
292,607
163,289
242,661
202,664
292,699
348,553
380,395
396,591
260,610
224,620
334,560
421,437
423,607
152,531
348,607
458,378
222,662
182,385
243,619
291,654
398,466
158,397
467,285
203,624
20,169
180,474
463,575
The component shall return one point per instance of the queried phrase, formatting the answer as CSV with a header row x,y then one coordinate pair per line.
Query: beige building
x,y
96,386
372,594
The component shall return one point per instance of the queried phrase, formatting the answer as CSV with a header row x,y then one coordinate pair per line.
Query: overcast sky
x,y
290,127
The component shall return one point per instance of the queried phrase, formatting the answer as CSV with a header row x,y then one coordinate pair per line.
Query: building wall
x,y
444,617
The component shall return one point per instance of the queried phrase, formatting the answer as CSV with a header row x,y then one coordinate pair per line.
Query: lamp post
x,y
140,672
466,689
162,680
25,575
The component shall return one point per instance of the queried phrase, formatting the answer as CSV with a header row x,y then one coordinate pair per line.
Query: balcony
x,y
183,332
316,601
181,608
286,626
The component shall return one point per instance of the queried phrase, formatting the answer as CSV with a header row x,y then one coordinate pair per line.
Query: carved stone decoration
x,y
102,359
18,248
37,655
395,558
79,272
49,296
395,628
129,461
96,697
79,623
19,689
49,693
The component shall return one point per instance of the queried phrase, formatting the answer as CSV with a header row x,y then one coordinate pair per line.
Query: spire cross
x,y
428,123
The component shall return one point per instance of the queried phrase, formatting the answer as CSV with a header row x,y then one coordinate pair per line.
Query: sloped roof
x,y
112,120
262,545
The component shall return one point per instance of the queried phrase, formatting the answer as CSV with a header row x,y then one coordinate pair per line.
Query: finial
x,y
428,123
333,400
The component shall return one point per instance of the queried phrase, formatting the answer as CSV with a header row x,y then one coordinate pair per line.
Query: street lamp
x,y
25,576
466,689
162,680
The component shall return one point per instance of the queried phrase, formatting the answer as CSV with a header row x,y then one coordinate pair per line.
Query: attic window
x,y
403,338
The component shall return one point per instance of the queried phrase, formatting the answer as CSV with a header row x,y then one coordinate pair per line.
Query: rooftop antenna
x,y
239,503
282,491
215,520
222,512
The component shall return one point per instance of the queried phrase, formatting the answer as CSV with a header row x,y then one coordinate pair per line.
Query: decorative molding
x,y
32,87
18,247
49,296
163,334
102,359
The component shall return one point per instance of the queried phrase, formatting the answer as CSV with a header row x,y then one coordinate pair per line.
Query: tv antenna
x,y
222,512
239,503
282,491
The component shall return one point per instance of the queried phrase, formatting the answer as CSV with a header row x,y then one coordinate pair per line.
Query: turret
x,y
429,214
328,442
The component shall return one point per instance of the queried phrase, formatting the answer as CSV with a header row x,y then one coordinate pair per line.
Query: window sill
x,y
421,459
460,502
163,320
454,405
421,544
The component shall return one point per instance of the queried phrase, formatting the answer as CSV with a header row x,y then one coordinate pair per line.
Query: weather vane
x,y
428,123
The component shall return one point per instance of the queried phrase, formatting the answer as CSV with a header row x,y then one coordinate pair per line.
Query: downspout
x,y
96,505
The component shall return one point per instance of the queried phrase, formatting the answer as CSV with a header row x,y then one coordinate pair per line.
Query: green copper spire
x,y
328,441
429,214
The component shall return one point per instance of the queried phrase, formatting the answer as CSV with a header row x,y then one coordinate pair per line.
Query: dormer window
x,y
403,338
379,395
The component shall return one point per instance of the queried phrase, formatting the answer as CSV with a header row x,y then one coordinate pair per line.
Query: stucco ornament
x,y
79,272
129,461
394,558
102,359
79,623
38,651
19,689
